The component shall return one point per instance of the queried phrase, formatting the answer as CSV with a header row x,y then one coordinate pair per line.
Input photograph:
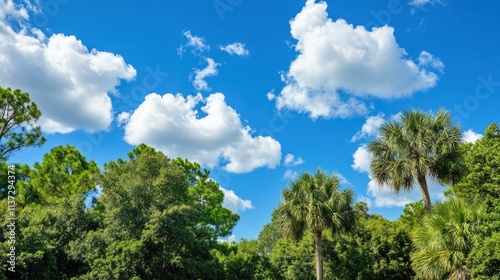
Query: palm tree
x,y
315,202
444,240
417,147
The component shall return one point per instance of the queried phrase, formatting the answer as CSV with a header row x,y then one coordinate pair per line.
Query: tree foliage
x,y
418,146
63,172
162,218
444,240
315,203
481,186
155,219
18,116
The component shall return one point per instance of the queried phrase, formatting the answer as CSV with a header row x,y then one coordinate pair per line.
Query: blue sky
x,y
258,91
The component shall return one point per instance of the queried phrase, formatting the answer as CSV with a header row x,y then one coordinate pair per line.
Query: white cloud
x,y
230,239
270,95
342,179
195,43
235,203
421,3
171,124
361,159
69,82
367,200
291,161
369,128
471,136
339,63
10,9
426,59
199,82
290,175
235,49
123,118
384,196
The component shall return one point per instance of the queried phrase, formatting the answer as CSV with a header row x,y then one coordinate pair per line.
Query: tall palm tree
x,y
444,240
419,146
315,202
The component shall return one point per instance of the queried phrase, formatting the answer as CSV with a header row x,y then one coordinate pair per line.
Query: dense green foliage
x,y
155,219
444,240
17,122
482,187
151,217
376,249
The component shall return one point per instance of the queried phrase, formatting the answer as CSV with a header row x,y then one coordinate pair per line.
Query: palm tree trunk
x,y
425,193
319,256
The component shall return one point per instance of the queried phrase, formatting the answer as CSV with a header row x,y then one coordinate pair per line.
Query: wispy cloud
x,y
422,3
196,44
200,75
290,175
290,160
235,49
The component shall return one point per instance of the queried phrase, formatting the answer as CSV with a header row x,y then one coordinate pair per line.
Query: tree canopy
x,y
18,116
315,202
418,146
160,218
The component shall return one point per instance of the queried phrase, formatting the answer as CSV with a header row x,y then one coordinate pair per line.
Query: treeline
x,y
162,218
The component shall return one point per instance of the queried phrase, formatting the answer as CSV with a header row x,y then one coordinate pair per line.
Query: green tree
x,y
43,238
245,262
17,122
481,186
63,172
294,259
315,202
377,249
412,215
161,220
269,236
484,259
445,239
418,146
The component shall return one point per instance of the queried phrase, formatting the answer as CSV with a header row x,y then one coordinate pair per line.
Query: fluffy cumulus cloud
x,y
361,160
199,75
383,195
338,64
234,202
171,123
369,128
10,9
70,83
471,136
235,49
